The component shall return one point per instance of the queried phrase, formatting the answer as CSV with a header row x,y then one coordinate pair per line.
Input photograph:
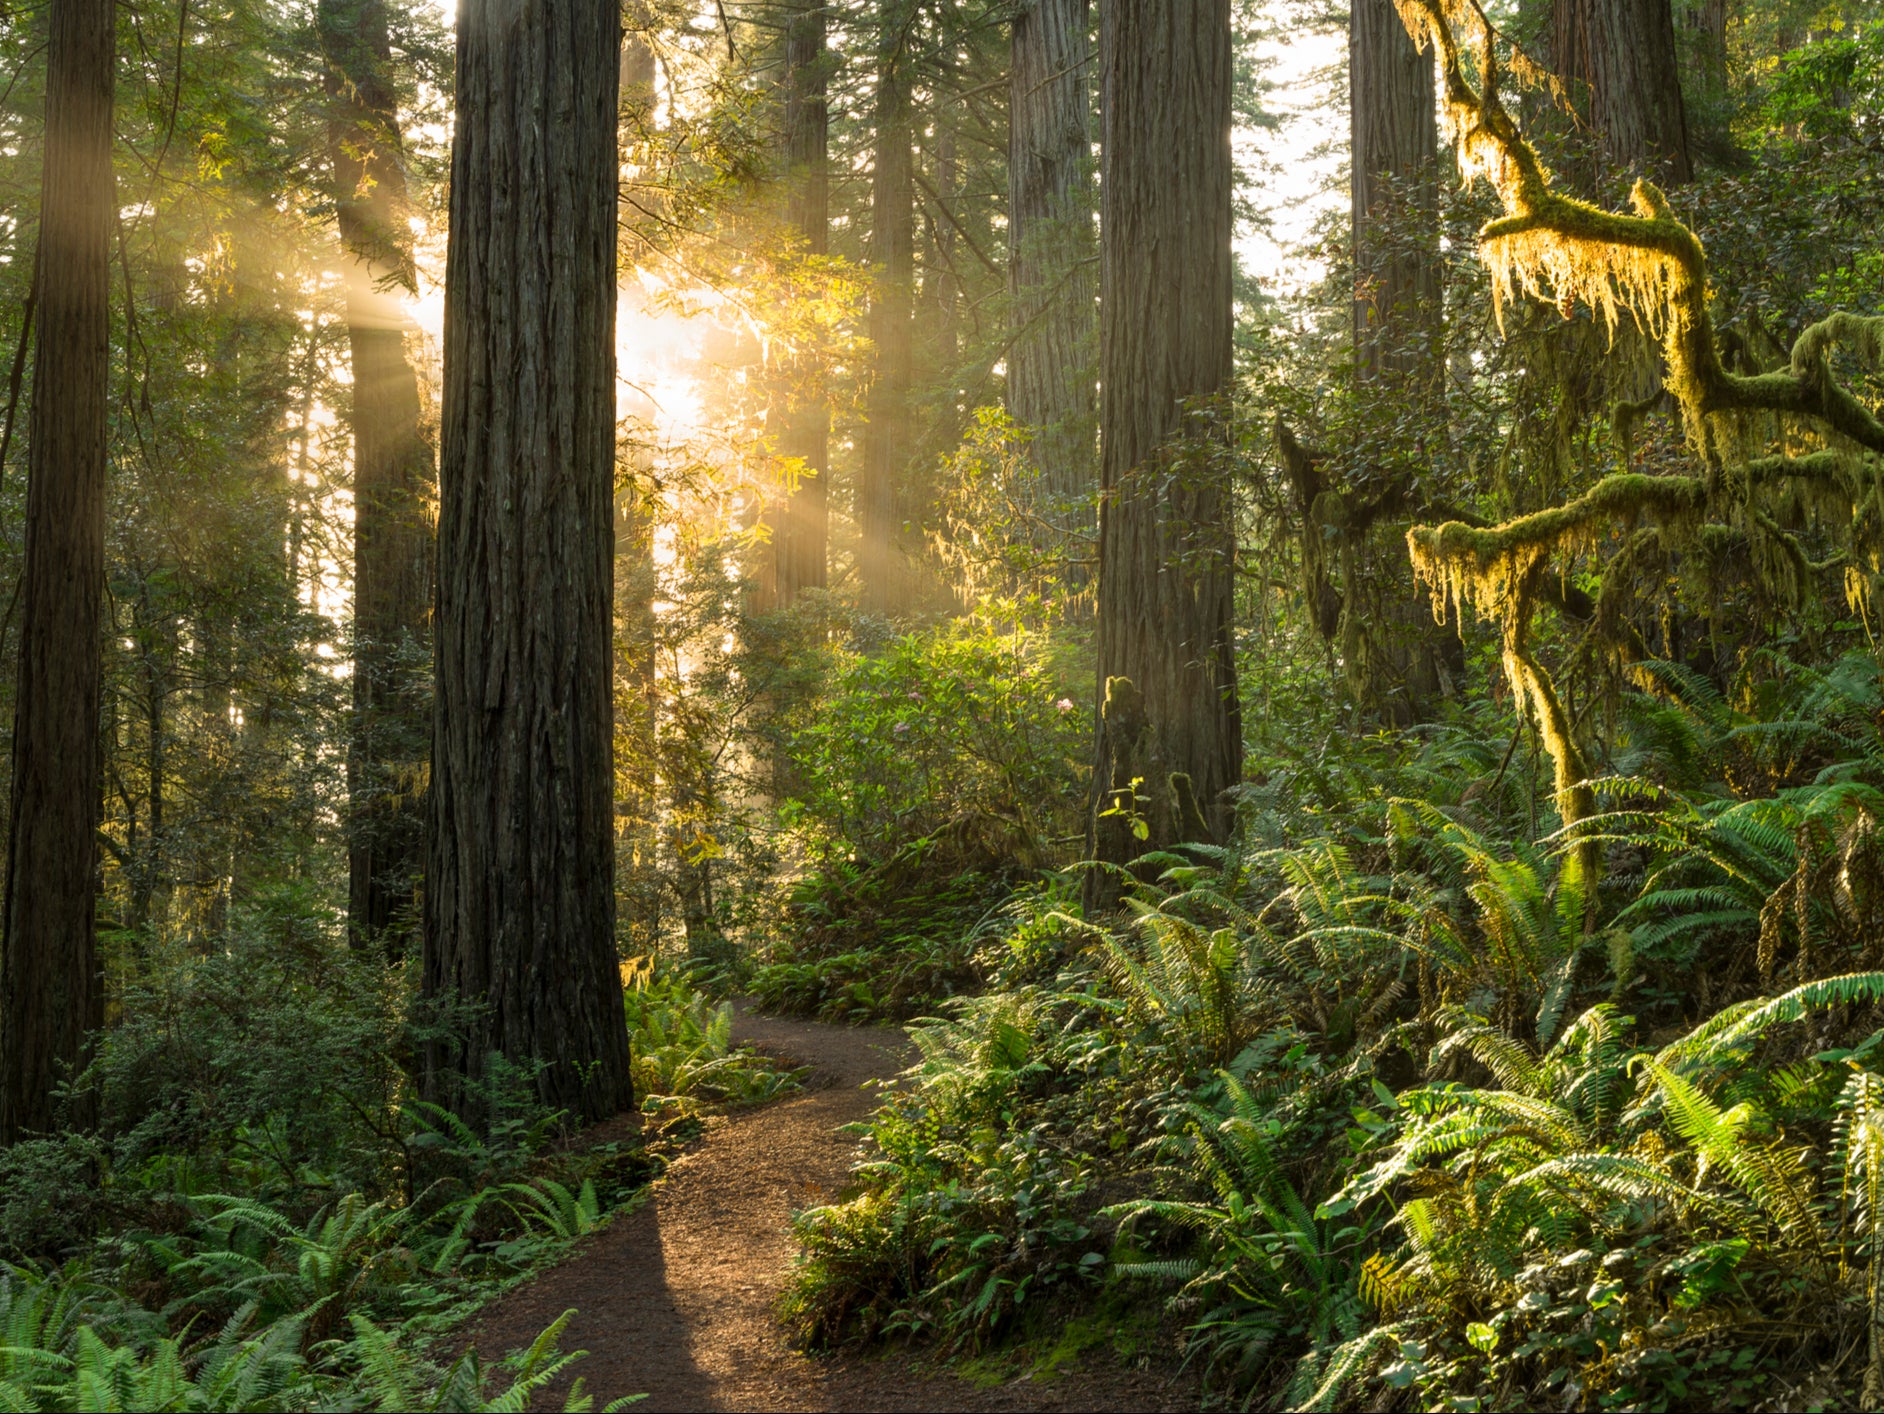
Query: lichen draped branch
x,y
1555,248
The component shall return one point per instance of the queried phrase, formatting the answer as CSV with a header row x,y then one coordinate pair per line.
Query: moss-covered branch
x,y
1553,247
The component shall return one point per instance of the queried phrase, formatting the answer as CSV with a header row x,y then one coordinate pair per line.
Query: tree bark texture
x,y
1165,537
392,481
49,973
893,252
801,539
519,897
1390,645
1624,51
1052,272
1708,20
1393,124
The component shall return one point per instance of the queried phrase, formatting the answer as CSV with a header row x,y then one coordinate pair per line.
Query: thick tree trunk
x,y
519,897
392,482
1392,114
800,542
1624,50
49,988
1052,270
1165,536
893,252
1708,20
1391,648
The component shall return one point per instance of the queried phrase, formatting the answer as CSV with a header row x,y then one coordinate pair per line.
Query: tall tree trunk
x,y
1392,114
893,252
941,285
156,635
800,543
1169,718
1052,273
392,480
637,687
1624,50
1391,648
519,897
49,972
1708,20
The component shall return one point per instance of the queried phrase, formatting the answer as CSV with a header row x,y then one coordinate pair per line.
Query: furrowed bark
x,y
1165,538
50,997
519,899
1394,132
1624,52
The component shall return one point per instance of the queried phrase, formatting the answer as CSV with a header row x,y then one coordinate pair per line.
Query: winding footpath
x,y
677,1300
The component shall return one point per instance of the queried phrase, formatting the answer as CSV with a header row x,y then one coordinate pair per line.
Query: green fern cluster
x,y
1605,1207
1392,1102
681,1043
68,1342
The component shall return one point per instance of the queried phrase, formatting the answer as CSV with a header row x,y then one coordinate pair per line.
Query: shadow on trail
x,y
679,1300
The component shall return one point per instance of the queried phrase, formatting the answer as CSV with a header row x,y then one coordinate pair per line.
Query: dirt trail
x,y
677,1299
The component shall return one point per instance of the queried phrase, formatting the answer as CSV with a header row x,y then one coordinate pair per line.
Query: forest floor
x,y
678,1299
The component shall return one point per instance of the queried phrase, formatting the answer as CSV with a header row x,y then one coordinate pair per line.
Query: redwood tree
x,y
1051,277
893,253
800,541
1169,718
1623,52
1393,124
519,896
392,476
49,988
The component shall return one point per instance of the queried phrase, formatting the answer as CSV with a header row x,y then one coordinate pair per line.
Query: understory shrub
x,y
1413,1112
266,1216
940,773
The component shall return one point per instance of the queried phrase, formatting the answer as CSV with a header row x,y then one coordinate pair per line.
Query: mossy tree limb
x,y
1649,265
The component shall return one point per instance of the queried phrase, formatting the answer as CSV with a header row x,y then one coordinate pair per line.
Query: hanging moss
x,y
1624,418
1647,265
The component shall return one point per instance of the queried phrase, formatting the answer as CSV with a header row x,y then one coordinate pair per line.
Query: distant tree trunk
x,y
155,627
941,286
1624,50
1390,645
1392,113
893,252
49,988
1169,717
392,481
519,897
1708,19
1052,265
800,543
637,689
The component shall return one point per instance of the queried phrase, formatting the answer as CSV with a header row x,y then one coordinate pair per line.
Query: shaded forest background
x,y
1362,777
